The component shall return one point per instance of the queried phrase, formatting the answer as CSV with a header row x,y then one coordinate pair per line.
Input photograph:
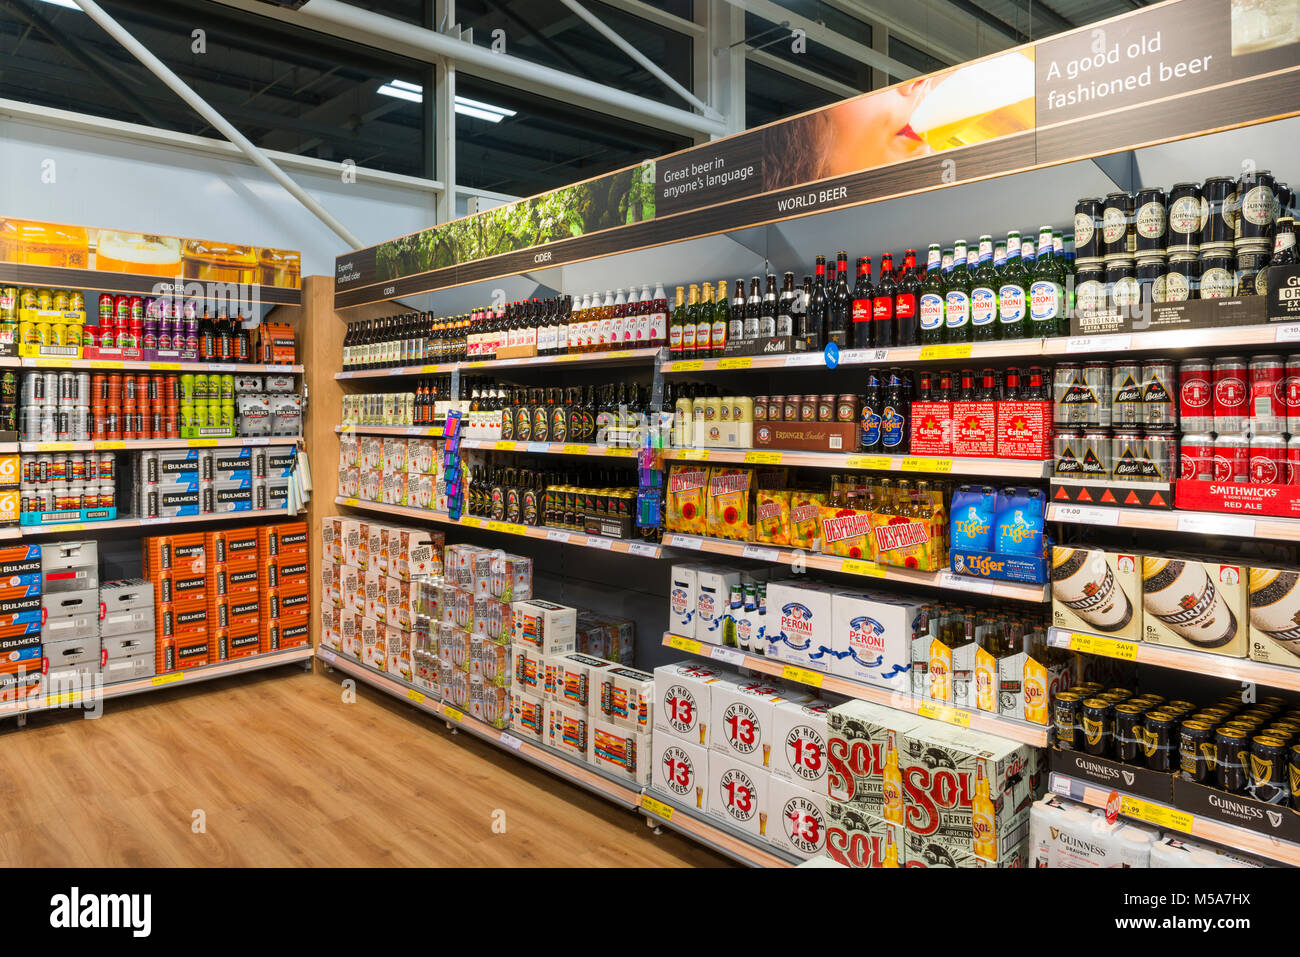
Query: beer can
x,y
76,466
29,423
147,467
1097,722
1195,395
1218,274
776,408
1231,752
148,500
1161,740
1159,461
1268,772
259,462
44,498
760,408
1184,218
1193,740
1123,292
205,465
27,470
1129,733
1182,279
1095,460
1267,460
1126,457
1231,395
27,497
1088,224
1216,194
105,467
1089,291
79,424
63,424
206,499
1150,220
1067,388
1232,458
186,388
1293,460
1096,380
1126,410
1158,379
1268,412
1196,457
202,389
1118,235
32,391
51,388
259,494
1256,207
1068,451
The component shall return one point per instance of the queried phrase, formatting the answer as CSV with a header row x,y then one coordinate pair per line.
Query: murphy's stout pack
x,y
1275,616
1195,604
1096,591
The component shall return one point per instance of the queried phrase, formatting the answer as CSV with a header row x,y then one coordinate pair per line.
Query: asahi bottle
x,y
1082,581
1186,599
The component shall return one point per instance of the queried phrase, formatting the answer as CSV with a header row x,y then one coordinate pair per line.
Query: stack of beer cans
x,y
1116,421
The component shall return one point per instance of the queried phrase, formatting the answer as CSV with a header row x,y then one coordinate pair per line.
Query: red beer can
x,y
1267,460
1196,457
1293,461
1195,395
1291,392
121,311
1268,413
1231,395
1232,458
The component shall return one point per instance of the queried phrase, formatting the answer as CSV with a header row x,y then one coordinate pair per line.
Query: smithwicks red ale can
x,y
1268,413
1291,394
1231,392
1293,461
1267,460
1232,458
1195,395
1196,452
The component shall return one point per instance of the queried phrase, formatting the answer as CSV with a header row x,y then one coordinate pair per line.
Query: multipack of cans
x,y
1116,421
68,482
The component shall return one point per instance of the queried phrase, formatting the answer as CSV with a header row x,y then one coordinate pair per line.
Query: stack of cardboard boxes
x,y
20,621
126,629
285,593
234,583
393,471
70,608
177,565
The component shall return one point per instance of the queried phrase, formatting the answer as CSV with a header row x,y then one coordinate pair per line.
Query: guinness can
x,y
1129,736
1118,233
1216,198
1088,219
1067,717
1193,739
1183,597
1231,755
1097,721
1269,780
1256,207
1161,741
1184,219
1150,219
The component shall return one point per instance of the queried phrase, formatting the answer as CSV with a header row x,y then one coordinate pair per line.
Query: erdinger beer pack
x,y
1275,616
1191,603
1097,591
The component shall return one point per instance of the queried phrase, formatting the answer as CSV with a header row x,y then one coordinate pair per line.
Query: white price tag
x,y
853,356
538,447
640,548
325,654
415,431
729,656
221,368
259,440
1209,524
962,583
762,554
1097,343
599,541
1085,515
556,535
1288,333
683,541
1057,638
510,741
155,521
805,359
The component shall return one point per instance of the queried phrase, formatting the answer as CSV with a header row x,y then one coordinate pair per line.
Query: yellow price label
x,y
567,357
687,365
1107,647
623,453
877,462
802,675
852,566
110,364
927,465
429,370
451,714
203,443
53,446
471,521
501,527
351,502
168,678
695,455
1156,814
157,366
943,713
956,351
76,527
107,446
504,446
54,363
688,645
572,449
657,808
473,365
416,696
58,700
736,362
763,458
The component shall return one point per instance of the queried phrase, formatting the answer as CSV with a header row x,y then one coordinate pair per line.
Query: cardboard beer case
x,y
857,745
798,629
974,428
857,838
681,771
742,715
1097,592
1195,604
871,638
683,590
568,730
527,716
796,818
799,741
621,751
932,428
574,680
738,793
625,697
683,699
1274,609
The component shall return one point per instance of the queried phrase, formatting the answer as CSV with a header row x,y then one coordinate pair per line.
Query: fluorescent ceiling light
x,y
67,4
464,105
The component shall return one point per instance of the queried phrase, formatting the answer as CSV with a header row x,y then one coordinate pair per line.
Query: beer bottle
x,y
894,433
863,298
1284,245
1012,280
891,785
931,299
818,306
840,311
956,297
767,314
753,311
704,322
736,322
690,320
1046,290
785,311
677,324
984,834
721,321
905,302
984,295
802,329
882,306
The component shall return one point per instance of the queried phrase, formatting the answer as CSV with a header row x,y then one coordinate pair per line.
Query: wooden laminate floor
x,y
281,772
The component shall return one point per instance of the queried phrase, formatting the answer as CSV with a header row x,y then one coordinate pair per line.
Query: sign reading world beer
x,y
1157,74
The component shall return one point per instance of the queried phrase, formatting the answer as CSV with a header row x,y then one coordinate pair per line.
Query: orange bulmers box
x,y
180,626
246,576
276,344
174,552
20,677
233,611
287,570
240,641
179,585
190,650
285,632
232,544
284,538
286,601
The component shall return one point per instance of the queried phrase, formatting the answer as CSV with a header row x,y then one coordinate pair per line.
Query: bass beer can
x,y
1095,458
1196,457
1232,458
1126,457
1195,395
1126,409
1267,460
1268,413
1159,461
1231,394
1158,383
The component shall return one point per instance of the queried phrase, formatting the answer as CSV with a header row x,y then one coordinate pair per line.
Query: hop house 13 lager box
x,y
1097,591
683,693
799,737
1275,616
796,818
738,793
681,771
1188,603
742,719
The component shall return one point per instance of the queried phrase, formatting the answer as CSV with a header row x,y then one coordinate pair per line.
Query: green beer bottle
x,y
984,295
1046,289
1013,278
956,297
931,298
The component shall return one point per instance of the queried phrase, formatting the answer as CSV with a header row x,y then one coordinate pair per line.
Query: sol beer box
x,y
799,735
857,838
738,793
858,752
1188,603
871,638
681,771
683,698
1097,591
1275,616
796,818
742,716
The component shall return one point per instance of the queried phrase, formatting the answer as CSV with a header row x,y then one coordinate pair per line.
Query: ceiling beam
x,y
802,73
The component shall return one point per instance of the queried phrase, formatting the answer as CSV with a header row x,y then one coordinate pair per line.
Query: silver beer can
x,y
1126,454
